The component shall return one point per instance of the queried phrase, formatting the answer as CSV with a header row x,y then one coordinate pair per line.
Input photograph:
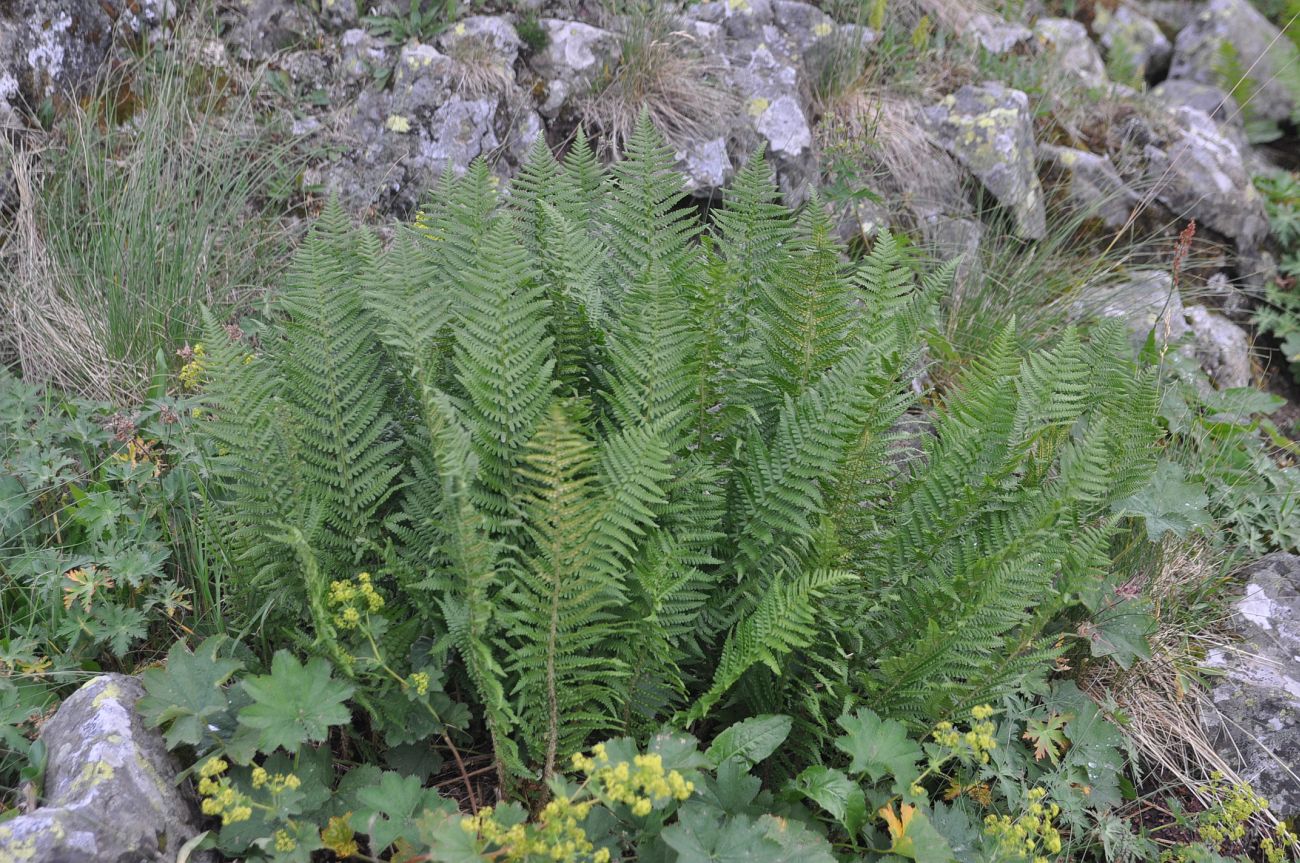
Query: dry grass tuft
x,y
50,339
479,69
663,71
1162,699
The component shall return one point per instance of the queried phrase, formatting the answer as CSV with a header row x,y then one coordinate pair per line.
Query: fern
x,y
625,466
502,361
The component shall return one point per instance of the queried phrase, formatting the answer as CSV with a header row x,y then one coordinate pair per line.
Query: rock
x,y
955,239
1170,15
1144,303
990,130
1132,41
764,73
1253,710
1198,173
1092,184
1236,25
994,34
1228,298
110,786
1182,93
53,47
575,55
1067,40
801,24
1221,347
260,29
339,14
361,57
443,112
488,39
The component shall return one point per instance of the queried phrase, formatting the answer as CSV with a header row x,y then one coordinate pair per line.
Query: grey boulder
x,y
1131,39
1091,182
110,786
989,129
1236,26
1067,41
1253,714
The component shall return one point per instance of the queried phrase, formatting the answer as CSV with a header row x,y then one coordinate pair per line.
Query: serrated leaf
x,y
704,835
879,748
1121,632
836,793
392,809
1169,503
187,692
295,704
750,740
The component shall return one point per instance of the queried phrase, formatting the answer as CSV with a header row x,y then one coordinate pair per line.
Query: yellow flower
x,y
284,842
397,123
213,767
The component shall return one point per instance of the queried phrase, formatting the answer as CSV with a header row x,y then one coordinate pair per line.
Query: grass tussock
x,y
664,71
143,205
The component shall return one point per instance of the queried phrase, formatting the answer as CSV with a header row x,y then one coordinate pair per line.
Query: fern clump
x,y
616,465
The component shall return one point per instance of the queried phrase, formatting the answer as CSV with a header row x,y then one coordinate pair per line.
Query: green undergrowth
x,y
570,465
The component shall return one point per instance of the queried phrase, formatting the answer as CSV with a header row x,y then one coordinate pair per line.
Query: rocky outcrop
x,y
1235,30
52,48
1091,183
1150,304
1195,171
110,786
568,67
1131,40
1253,715
989,129
1066,40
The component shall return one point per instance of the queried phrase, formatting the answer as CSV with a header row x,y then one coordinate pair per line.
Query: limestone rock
x,y
110,786
1198,172
339,14
1254,712
1067,40
994,34
574,56
260,29
1145,303
1092,184
1132,38
1211,99
1199,55
1222,348
440,116
989,129
51,47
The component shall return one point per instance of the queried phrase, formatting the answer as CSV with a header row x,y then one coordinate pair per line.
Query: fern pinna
x,y
622,466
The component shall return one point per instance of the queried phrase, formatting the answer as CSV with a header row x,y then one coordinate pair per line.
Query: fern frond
x,y
648,237
810,311
784,621
503,361
334,391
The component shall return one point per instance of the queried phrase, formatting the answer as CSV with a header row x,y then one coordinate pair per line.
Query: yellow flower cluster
x,y
1032,835
642,786
274,783
339,837
1227,822
420,682
556,834
351,598
219,797
192,372
284,843
1275,849
976,743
